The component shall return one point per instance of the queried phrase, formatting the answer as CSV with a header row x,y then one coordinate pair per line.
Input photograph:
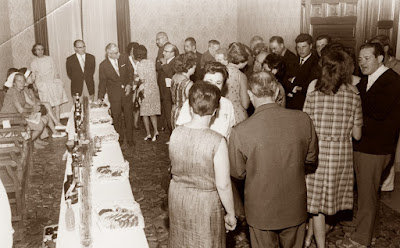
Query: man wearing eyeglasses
x,y
80,69
116,79
165,74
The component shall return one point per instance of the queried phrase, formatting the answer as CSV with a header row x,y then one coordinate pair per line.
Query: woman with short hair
x,y
47,80
237,80
200,197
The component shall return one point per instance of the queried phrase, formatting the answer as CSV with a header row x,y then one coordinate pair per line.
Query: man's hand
x,y
36,108
128,89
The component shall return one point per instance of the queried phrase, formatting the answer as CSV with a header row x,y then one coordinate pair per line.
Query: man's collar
x,y
307,57
266,106
376,74
284,52
169,60
78,55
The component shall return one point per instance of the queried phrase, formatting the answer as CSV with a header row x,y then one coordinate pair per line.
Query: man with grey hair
x,y
270,150
116,80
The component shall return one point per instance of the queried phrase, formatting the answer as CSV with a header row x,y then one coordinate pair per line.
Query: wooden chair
x,y
15,161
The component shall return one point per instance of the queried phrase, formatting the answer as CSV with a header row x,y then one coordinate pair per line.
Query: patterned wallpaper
x,y
269,18
22,32
204,20
5,42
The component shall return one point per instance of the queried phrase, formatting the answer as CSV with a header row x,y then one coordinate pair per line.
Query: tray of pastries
x,y
120,216
111,172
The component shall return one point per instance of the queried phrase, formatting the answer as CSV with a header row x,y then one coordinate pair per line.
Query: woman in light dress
x,y
47,80
150,106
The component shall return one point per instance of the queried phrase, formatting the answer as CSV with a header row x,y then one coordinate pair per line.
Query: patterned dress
x,y
196,214
50,89
233,94
330,187
151,101
178,88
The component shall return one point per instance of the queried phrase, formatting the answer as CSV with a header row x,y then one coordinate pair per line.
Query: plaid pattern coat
x,y
330,187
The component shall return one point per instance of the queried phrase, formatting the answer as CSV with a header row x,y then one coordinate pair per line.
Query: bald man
x,y
116,80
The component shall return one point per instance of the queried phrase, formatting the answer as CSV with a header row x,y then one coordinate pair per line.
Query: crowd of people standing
x,y
290,131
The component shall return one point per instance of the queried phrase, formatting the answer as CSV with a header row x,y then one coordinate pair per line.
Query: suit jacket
x,y
381,114
303,74
77,76
198,74
110,82
270,150
291,60
166,71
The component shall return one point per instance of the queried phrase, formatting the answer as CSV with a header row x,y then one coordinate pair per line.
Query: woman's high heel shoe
x,y
155,137
148,137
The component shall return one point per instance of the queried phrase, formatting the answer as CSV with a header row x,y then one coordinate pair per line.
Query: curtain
x,y
39,17
99,15
64,27
123,24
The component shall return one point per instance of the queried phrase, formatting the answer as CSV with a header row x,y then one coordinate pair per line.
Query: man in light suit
x,y
270,150
116,79
80,69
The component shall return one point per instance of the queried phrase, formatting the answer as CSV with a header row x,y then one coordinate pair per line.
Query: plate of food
x,y
120,216
111,172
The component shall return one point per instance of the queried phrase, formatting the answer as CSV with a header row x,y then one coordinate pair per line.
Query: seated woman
x,y
185,66
14,102
200,192
224,120
45,107
276,66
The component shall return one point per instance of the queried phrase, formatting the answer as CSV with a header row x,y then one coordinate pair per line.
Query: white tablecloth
x,y
102,193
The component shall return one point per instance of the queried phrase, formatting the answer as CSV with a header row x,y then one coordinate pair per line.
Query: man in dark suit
x,y
190,46
379,92
277,46
116,79
270,149
299,75
167,70
80,69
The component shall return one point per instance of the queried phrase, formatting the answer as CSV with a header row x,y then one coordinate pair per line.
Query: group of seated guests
x,y
315,125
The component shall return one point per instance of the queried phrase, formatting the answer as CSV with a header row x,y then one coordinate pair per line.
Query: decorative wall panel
x,y
22,32
5,42
204,20
269,18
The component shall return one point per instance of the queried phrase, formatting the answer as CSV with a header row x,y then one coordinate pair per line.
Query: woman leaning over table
x,y
334,106
200,191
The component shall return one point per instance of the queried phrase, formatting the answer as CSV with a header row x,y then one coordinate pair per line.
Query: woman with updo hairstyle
x,y
47,80
335,109
200,199
185,66
150,106
237,80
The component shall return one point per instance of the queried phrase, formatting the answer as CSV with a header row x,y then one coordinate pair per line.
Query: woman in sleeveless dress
x,y
237,81
185,66
200,191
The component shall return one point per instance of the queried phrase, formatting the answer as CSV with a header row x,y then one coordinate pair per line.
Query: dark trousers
x,y
369,169
292,237
117,106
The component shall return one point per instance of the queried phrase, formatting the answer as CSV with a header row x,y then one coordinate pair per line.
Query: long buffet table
x,y
103,193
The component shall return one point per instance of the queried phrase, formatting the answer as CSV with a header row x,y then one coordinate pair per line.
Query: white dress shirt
x,y
81,59
374,76
114,63
222,124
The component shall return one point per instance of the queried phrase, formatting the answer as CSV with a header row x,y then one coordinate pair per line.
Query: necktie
x,y
116,66
82,63
301,61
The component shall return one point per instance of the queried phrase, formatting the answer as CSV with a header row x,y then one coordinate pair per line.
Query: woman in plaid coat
x,y
334,106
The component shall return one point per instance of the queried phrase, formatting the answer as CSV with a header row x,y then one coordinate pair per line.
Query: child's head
x,y
213,46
